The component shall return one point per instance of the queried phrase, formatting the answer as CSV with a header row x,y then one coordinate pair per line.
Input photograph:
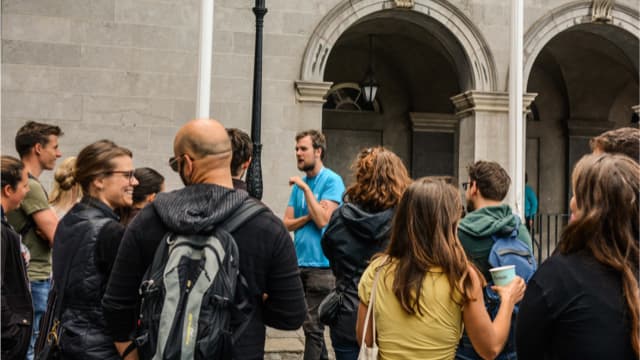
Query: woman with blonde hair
x,y
356,231
584,302
65,193
426,288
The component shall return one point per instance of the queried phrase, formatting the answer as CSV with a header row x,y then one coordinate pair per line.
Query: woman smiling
x,y
85,246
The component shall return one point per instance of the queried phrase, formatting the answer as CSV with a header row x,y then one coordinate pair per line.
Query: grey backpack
x,y
192,291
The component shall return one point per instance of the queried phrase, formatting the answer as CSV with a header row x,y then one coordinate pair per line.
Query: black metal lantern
x,y
369,85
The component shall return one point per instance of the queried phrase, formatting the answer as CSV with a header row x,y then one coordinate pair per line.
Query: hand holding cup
x,y
512,292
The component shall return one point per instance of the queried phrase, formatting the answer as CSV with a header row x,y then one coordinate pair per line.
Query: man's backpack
x,y
192,291
506,250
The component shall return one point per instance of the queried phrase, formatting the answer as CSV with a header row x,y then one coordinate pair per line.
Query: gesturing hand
x,y
297,180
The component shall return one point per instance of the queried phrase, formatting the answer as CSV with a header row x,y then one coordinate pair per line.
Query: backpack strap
x,y
249,208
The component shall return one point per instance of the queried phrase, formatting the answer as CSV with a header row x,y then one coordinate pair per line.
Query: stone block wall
x,y
118,69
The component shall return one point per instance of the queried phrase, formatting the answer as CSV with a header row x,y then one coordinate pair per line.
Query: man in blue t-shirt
x,y
313,200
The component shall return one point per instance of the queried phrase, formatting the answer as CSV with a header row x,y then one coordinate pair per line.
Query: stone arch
x,y
565,17
480,63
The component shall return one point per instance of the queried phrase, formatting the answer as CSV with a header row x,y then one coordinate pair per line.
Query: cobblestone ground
x,y
289,345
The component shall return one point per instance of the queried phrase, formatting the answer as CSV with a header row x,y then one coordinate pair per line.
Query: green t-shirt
x,y
36,200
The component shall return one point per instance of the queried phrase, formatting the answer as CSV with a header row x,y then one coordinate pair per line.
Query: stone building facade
x,y
127,70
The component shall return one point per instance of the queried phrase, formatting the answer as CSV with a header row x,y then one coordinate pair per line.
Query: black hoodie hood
x,y
373,226
197,208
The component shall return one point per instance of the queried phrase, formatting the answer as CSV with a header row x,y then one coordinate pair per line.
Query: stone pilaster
x,y
484,126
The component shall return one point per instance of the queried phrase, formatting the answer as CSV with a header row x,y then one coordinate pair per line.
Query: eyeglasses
x,y
465,186
129,174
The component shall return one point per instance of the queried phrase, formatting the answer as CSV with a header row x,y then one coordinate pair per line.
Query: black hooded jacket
x,y
17,310
267,261
352,237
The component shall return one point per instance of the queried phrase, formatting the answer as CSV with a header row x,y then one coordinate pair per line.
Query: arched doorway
x,y
419,63
586,77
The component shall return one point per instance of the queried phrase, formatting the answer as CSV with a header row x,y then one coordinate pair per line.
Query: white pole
x,y
516,114
204,66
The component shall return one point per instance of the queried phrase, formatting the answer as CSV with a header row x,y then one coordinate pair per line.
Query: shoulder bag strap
x,y
370,310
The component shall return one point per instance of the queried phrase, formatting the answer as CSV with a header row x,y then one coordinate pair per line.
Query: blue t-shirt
x,y
327,185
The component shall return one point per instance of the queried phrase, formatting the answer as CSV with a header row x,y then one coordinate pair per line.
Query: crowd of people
x,y
110,266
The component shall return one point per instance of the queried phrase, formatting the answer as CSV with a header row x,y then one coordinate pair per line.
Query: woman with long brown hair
x,y
583,302
356,231
427,288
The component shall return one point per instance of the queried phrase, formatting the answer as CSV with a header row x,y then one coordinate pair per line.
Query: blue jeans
x,y
39,294
343,348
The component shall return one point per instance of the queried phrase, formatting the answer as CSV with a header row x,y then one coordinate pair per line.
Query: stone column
x,y
484,128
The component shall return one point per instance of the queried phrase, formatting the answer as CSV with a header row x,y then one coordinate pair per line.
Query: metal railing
x,y
545,234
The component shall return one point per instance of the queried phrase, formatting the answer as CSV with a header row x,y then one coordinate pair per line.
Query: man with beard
x,y
486,215
313,200
35,220
267,260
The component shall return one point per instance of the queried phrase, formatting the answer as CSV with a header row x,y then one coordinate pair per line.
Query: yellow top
x,y
433,335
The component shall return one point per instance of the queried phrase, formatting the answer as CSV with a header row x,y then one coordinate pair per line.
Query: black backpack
x,y
191,292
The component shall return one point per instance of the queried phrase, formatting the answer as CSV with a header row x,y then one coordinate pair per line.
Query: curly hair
x,y
380,179
607,193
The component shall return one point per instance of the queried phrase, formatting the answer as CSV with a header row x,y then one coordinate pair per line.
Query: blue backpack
x,y
506,250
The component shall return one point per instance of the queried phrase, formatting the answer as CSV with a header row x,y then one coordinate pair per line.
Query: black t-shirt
x,y
267,261
574,308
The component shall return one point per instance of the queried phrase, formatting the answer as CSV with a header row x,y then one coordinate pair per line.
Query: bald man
x,y
202,158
